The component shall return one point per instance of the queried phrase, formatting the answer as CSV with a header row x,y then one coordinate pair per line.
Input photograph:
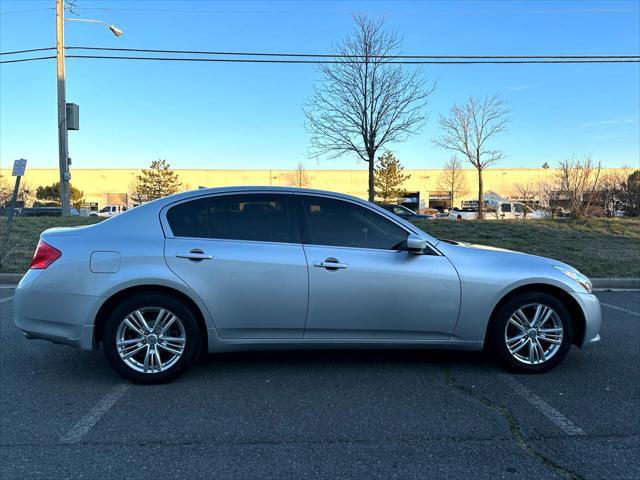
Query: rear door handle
x,y
194,255
330,265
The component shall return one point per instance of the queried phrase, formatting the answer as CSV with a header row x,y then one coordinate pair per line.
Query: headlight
x,y
577,276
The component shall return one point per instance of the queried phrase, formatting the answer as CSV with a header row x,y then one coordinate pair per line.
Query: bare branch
x,y
453,179
364,103
467,130
578,181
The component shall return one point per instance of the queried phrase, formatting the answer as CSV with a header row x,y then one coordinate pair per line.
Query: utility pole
x,y
63,138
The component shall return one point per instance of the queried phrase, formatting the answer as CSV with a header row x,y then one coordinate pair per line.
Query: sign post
x,y
19,166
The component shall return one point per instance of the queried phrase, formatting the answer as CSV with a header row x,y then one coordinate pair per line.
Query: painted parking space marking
x,y
80,429
631,312
6,299
562,422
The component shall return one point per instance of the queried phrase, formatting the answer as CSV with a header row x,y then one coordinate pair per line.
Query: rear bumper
x,y
590,306
56,317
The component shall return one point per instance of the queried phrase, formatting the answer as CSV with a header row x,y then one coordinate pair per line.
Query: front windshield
x,y
399,210
105,209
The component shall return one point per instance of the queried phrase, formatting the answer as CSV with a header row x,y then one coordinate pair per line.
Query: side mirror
x,y
415,244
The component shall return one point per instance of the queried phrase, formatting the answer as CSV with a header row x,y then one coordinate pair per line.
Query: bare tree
x,y
299,177
468,129
5,191
620,189
630,193
453,179
610,189
363,101
548,192
528,193
578,181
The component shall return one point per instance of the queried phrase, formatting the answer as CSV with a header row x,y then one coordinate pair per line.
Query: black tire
x,y
192,334
497,344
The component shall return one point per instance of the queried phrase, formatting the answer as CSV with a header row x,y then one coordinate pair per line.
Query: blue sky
x,y
205,115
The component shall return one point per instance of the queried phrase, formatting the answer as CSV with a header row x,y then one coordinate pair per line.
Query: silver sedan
x,y
261,267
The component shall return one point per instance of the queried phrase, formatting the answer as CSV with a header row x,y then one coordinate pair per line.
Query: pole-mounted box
x,y
73,116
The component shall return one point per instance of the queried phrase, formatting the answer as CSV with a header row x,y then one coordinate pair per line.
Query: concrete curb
x,y
599,283
630,283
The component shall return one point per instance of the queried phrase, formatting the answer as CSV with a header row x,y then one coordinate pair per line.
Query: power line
x,y
403,62
19,60
27,51
311,58
217,12
27,11
393,58
288,61
325,55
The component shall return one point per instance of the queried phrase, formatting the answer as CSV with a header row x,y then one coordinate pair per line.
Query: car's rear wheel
x,y
151,338
532,332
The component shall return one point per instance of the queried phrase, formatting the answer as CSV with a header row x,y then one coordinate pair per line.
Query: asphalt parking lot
x,y
363,414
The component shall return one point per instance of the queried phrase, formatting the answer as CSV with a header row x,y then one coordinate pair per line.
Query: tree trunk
x,y
372,192
480,195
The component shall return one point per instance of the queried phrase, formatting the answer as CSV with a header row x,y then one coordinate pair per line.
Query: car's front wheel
x,y
151,338
532,332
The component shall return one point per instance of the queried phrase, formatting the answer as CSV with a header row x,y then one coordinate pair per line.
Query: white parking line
x,y
621,309
6,299
85,424
562,422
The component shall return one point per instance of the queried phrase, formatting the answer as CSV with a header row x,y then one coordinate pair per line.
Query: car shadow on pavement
x,y
342,359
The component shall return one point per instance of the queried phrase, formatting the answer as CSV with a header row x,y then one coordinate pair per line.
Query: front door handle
x,y
196,254
330,264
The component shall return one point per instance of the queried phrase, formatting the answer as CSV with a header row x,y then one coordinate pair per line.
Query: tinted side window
x,y
506,207
344,224
190,219
259,217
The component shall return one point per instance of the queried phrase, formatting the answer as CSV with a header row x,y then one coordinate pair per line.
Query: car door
x,y
241,254
363,284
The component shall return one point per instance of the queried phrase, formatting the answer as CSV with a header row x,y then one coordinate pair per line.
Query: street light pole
x,y
63,135
63,138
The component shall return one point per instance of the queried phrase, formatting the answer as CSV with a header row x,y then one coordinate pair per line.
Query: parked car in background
x,y
237,268
404,212
499,211
429,211
467,213
109,211
46,212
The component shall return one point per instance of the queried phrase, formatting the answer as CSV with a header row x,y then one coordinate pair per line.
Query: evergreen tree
x,y
154,182
389,178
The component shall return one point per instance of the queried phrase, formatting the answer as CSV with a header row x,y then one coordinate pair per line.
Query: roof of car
x,y
258,188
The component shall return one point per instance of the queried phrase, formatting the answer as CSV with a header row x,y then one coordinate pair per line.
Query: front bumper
x,y
590,306
56,317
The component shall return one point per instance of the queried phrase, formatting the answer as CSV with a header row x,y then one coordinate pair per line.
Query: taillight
x,y
45,255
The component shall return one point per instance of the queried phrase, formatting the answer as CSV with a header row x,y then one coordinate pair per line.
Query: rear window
x,y
257,217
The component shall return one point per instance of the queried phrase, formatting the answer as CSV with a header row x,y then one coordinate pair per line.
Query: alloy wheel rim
x,y
533,333
150,339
